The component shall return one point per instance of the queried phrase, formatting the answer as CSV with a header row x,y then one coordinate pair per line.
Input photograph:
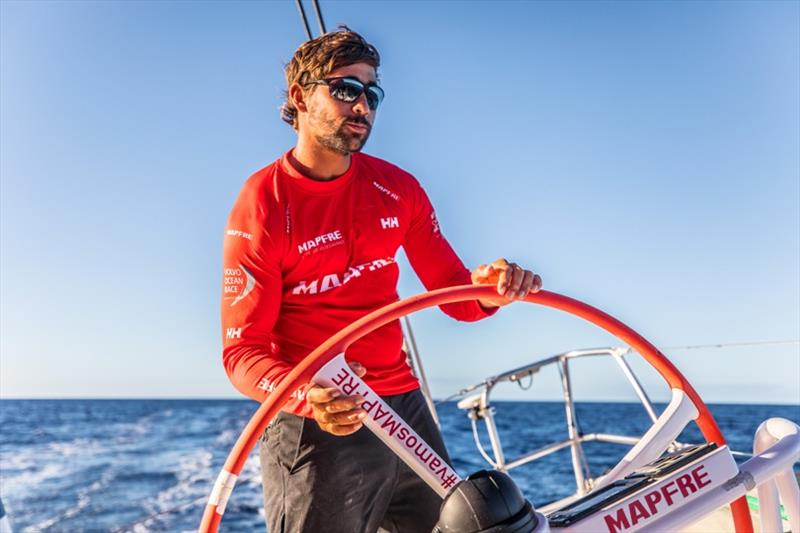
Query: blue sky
x,y
641,156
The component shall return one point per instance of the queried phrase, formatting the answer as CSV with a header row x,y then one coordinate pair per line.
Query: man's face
x,y
339,126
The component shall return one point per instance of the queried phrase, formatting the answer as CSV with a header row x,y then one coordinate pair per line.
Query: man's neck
x,y
317,162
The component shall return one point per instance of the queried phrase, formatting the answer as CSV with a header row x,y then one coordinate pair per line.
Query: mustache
x,y
359,119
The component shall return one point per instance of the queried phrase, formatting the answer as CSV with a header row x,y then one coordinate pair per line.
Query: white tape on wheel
x,y
389,427
222,490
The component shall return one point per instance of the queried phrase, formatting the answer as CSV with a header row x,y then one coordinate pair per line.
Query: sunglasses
x,y
348,90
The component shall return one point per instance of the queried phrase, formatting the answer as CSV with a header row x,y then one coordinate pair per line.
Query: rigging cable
x,y
303,18
318,11
731,344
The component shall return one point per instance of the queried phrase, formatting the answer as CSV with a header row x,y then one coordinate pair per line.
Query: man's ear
x,y
298,97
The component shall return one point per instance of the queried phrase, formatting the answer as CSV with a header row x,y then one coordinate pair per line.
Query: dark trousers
x,y
314,481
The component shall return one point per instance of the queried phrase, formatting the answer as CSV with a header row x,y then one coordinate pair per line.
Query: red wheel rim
x,y
305,370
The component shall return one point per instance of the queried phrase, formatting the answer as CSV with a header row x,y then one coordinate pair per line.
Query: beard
x,y
337,138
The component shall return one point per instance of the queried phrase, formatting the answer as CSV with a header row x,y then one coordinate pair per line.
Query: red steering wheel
x,y
304,371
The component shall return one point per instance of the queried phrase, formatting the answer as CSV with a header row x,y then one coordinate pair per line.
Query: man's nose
x,y
361,107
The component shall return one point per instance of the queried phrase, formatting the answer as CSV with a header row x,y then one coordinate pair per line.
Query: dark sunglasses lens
x,y
374,97
346,90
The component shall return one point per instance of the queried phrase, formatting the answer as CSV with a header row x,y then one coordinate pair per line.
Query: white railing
x,y
783,486
661,436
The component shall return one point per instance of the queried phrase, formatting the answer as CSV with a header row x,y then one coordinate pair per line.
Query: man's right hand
x,y
335,413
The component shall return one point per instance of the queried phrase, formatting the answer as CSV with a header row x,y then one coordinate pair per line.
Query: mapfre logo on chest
x,y
321,242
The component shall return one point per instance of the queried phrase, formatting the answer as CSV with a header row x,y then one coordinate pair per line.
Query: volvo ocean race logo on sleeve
x,y
237,284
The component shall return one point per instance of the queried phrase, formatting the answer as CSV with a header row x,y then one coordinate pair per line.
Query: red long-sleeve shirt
x,y
304,259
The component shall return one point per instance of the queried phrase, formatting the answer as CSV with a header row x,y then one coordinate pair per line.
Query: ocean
x,y
148,465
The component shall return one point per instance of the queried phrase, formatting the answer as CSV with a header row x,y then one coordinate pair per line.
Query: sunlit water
x,y
148,465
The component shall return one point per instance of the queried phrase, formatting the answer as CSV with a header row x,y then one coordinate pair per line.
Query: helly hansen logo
x,y
390,222
233,333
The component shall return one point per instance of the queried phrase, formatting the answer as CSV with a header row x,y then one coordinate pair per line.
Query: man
x,y
310,248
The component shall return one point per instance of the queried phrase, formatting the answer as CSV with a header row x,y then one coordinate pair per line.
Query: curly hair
x,y
318,57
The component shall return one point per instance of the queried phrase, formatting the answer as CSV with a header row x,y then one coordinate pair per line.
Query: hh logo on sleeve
x,y
390,222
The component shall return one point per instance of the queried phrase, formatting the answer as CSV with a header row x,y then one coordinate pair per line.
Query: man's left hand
x,y
513,282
